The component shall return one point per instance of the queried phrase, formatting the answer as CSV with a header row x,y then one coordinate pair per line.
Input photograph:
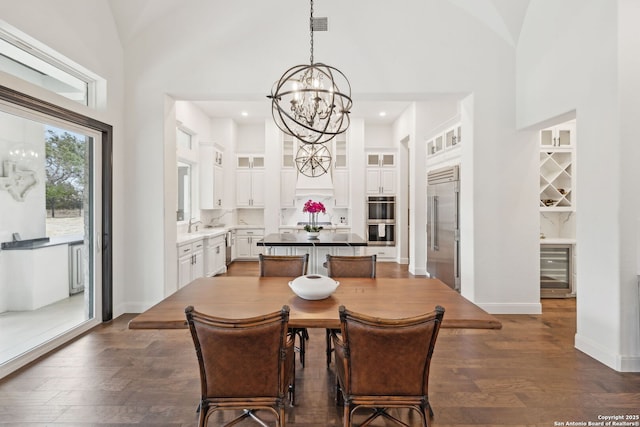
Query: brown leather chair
x,y
287,266
384,363
347,266
245,364
351,266
283,265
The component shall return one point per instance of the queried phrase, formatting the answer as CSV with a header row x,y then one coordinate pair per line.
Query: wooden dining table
x,y
243,297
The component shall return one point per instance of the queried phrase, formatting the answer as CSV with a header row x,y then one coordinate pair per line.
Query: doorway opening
x,y
55,170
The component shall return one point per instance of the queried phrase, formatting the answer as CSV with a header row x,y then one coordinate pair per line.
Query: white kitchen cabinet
x,y
556,179
557,168
288,152
246,242
288,188
381,173
211,177
381,181
218,186
340,151
563,135
250,188
447,140
190,262
383,253
386,160
250,161
341,188
215,256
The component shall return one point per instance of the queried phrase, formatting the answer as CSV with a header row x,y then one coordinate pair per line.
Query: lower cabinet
x,y
215,256
246,243
384,253
190,262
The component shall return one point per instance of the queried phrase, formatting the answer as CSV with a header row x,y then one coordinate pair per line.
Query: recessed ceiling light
x,y
244,114
382,113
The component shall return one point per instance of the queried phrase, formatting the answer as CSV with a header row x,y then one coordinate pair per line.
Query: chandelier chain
x,y
311,30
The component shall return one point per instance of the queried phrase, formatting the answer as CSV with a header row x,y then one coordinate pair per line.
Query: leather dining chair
x,y
287,266
347,266
245,364
384,363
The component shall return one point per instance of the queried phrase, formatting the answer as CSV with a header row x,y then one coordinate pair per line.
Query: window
x,y
29,60
183,139
184,191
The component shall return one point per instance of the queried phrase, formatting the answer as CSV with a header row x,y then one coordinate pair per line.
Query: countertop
x,y
30,244
201,234
300,239
557,241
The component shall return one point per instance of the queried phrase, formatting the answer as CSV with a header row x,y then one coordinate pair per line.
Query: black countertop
x,y
324,239
41,242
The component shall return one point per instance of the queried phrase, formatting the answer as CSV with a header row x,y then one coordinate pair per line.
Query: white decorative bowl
x,y
313,286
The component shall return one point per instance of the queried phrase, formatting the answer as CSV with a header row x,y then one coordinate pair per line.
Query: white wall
x,y
379,137
573,56
167,57
84,32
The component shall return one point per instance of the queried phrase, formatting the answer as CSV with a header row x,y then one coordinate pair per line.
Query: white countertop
x,y
557,241
200,234
203,233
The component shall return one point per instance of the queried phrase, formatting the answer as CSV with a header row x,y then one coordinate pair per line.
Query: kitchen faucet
x,y
192,223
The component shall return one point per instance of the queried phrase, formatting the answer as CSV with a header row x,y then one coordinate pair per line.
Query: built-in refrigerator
x,y
443,228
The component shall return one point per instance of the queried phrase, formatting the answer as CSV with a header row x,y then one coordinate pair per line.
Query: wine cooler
x,y
556,271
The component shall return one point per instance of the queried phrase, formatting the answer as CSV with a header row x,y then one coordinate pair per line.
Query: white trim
x,y
598,352
96,85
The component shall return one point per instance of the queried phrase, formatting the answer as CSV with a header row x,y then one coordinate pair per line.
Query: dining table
x,y
251,296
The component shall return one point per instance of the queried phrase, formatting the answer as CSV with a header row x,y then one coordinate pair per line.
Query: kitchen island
x,y
346,244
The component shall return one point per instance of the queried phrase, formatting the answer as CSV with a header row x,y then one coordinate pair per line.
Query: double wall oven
x,y
381,220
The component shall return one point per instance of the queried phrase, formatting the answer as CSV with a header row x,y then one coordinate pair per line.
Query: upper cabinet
x,y
447,140
381,173
211,177
341,188
250,180
340,152
563,135
250,161
288,188
557,168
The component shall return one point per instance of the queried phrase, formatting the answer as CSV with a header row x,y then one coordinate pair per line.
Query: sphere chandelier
x,y
313,160
308,101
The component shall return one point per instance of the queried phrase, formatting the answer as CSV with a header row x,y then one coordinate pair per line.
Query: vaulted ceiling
x,y
134,17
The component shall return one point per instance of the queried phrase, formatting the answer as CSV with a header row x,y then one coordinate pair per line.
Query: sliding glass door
x,y
51,229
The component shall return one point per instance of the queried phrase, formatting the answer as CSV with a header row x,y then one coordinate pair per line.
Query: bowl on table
x,y
313,286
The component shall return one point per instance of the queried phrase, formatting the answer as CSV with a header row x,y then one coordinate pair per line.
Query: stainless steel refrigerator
x,y
443,227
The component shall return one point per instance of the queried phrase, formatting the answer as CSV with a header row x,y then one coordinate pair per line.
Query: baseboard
x,y
602,354
511,308
132,307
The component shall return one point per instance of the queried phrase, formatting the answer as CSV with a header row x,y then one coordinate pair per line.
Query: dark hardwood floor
x,y
527,374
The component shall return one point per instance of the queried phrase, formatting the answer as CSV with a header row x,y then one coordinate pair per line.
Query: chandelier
x,y
307,102
313,160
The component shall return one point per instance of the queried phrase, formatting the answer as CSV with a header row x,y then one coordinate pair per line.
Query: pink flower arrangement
x,y
313,209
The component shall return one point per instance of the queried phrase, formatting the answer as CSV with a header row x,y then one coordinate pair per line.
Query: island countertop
x,y
324,239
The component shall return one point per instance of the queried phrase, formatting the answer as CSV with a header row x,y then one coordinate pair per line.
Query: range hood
x,y
319,186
